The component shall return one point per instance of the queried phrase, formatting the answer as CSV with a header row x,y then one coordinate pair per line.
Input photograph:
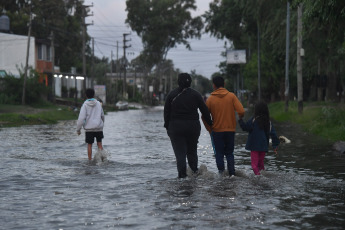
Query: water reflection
x,y
48,183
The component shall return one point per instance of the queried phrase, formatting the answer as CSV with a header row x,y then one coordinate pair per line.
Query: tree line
x,y
247,25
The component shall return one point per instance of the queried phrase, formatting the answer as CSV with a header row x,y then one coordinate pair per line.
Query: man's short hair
x,y
218,81
90,93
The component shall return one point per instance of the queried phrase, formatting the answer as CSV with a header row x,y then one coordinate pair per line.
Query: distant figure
x,y
181,119
222,105
260,129
91,118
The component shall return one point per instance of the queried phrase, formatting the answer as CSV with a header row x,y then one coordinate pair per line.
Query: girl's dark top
x,y
183,104
257,138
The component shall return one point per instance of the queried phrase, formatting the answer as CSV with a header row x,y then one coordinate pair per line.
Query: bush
x,y
12,89
326,120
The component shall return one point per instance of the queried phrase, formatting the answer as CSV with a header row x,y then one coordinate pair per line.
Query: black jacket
x,y
183,104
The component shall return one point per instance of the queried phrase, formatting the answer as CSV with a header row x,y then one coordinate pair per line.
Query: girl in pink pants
x,y
260,129
257,158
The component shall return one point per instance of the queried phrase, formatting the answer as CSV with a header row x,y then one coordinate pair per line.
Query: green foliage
x,y
162,25
320,119
238,21
21,116
51,16
200,83
323,40
12,90
270,75
137,97
228,19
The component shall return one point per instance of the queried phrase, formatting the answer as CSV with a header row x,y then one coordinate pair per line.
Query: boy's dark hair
x,y
90,93
218,81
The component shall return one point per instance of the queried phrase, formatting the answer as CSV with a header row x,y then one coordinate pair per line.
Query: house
x,y
137,79
13,53
13,58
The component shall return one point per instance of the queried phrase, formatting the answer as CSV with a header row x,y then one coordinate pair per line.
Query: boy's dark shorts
x,y
90,137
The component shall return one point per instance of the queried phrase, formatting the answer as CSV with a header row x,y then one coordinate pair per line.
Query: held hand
x,y
78,132
276,151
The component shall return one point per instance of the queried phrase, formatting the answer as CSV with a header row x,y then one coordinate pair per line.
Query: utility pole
x,y
84,15
300,54
259,68
117,68
125,64
135,80
287,86
117,57
27,58
111,63
53,64
92,63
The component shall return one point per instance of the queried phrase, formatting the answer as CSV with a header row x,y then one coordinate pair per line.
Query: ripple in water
x,y
48,183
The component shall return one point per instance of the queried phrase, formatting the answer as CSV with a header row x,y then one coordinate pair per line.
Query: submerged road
x,y
47,182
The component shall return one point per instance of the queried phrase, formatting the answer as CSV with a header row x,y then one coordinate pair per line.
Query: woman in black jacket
x,y
181,119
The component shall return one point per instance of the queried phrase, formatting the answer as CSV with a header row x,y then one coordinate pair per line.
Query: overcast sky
x,y
109,26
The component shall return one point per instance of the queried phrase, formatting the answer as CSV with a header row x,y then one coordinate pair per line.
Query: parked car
x,y
122,105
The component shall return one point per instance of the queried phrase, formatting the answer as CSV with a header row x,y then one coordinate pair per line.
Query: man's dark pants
x,y
224,146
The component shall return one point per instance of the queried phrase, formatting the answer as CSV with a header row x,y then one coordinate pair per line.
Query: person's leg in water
x,y
179,145
192,139
180,149
261,165
218,142
254,156
89,151
89,139
99,136
229,146
192,155
99,145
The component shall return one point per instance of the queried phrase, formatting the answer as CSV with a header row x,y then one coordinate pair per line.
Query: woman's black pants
x,y
184,136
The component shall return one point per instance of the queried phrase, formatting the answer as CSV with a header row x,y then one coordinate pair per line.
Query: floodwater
x,y
47,182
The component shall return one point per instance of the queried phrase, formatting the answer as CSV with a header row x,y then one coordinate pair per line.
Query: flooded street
x,y
47,182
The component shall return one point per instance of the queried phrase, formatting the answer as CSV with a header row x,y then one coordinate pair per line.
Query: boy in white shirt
x,y
91,118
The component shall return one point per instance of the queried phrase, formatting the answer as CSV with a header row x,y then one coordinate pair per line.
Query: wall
x,y
13,53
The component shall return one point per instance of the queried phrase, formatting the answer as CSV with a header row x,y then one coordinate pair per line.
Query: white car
x,y
122,105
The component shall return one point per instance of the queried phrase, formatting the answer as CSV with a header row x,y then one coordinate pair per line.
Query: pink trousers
x,y
257,158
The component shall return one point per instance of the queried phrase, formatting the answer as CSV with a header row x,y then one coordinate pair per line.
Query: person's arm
x,y
275,139
81,119
246,126
205,113
207,126
238,107
167,111
102,114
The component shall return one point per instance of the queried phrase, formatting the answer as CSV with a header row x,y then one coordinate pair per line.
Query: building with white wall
x,y
13,49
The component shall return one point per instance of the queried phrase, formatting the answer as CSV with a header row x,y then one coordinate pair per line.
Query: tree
x,y
200,83
162,24
50,15
239,22
326,36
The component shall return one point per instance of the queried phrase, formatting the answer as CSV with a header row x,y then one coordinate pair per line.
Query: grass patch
x,y
323,119
17,115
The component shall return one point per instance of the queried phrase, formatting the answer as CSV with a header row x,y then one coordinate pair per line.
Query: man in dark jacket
x,y
181,119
